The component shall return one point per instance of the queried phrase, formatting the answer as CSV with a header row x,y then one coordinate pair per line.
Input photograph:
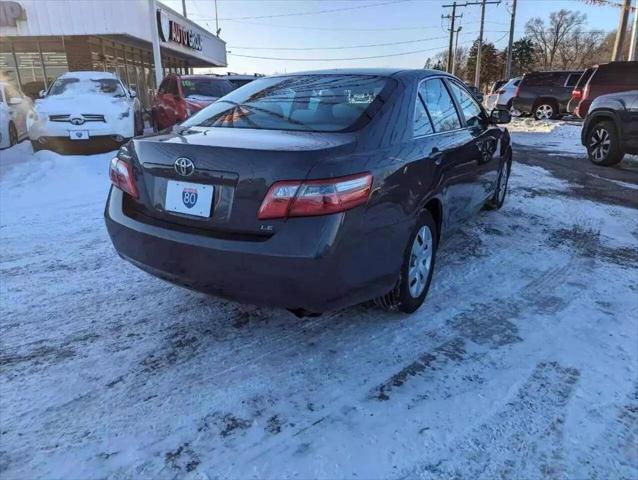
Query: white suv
x,y
503,95
83,106
14,110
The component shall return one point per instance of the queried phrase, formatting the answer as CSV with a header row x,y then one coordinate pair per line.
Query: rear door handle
x,y
437,155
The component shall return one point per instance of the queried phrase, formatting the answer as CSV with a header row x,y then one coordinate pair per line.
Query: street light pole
x,y
184,8
157,54
456,46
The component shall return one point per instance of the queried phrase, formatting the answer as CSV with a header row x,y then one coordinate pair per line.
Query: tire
x,y
603,144
13,134
410,291
545,110
500,193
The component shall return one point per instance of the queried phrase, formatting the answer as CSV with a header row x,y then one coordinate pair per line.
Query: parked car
x,y
14,109
180,96
600,80
476,93
610,129
502,96
311,191
83,108
241,80
545,95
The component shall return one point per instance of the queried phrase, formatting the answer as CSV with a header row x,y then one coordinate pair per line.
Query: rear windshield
x,y
205,87
545,78
617,73
315,103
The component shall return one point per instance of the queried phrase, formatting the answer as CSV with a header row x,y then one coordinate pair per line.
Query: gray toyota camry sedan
x,y
311,191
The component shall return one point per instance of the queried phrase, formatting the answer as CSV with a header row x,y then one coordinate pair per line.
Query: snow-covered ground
x,y
523,363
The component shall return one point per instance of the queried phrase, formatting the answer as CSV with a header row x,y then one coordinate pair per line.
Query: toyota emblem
x,y
184,166
77,120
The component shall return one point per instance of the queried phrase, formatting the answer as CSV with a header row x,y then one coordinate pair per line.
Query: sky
x,y
337,33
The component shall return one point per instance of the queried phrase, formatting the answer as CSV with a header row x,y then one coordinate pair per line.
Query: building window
x,y
54,58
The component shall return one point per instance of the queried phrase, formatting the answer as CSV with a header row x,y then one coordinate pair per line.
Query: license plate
x,y
189,198
79,135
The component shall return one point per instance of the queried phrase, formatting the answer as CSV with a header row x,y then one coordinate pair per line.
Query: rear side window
x,y
471,110
162,88
545,78
584,78
422,124
619,73
171,88
440,105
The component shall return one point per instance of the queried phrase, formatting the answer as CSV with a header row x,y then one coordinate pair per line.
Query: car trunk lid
x,y
239,164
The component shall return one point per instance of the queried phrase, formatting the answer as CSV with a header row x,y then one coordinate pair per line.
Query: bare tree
x,y
579,48
549,40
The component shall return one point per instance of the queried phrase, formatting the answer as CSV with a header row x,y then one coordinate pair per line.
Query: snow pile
x,y
556,135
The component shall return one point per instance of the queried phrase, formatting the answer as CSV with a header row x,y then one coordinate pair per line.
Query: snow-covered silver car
x,y
14,109
85,107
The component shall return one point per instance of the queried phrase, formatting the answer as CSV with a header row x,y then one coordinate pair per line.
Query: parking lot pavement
x,y
522,363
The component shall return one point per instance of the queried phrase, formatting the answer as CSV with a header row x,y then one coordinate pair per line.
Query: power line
x,y
339,59
340,47
346,47
331,29
317,12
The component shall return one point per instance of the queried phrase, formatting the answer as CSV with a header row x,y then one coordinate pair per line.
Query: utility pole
x,y
622,30
184,8
456,46
451,53
508,69
217,29
633,46
157,54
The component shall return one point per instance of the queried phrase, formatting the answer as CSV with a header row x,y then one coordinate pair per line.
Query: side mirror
x,y
500,116
15,101
132,93
43,93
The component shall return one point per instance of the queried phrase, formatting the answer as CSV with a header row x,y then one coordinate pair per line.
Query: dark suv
x,y
611,127
545,94
600,80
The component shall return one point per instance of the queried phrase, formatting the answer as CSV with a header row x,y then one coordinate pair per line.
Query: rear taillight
x,y
121,174
518,91
577,94
315,197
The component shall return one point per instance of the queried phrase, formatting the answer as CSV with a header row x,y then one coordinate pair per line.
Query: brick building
x,y
40,40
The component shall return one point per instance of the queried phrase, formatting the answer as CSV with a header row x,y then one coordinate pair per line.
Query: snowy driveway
x,y
523,363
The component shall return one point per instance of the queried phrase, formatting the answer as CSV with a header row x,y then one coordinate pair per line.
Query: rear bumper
x,y
523,105
317,264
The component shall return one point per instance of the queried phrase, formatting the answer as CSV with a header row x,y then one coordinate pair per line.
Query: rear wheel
x,y
13,134
417,268
545,110
603,144
498,199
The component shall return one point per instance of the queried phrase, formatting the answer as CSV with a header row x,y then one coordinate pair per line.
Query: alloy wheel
x,y
420,261
600,143
544,112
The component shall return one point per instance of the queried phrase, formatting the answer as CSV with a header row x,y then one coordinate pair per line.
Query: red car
x,y
600,80
180,96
